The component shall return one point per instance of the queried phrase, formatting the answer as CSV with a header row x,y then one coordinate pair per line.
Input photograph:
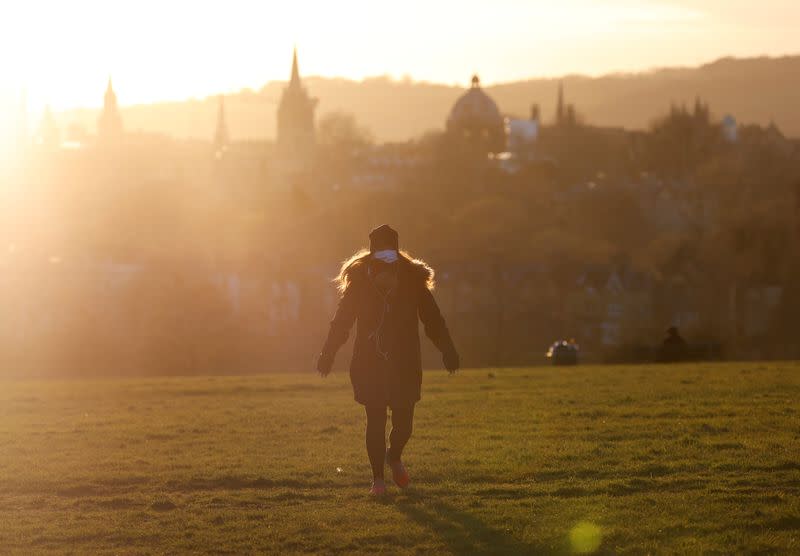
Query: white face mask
x,y
387,255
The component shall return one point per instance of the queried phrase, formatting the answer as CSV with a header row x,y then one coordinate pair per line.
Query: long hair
x,y
360,258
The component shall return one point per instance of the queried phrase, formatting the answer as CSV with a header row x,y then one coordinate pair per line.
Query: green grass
x,y
639,459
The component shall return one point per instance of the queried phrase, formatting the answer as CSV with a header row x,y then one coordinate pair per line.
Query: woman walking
x,y
385,292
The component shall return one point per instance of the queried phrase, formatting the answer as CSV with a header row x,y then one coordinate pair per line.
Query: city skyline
x,y
67,57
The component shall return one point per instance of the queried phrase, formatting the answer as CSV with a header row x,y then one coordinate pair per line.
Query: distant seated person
x,y
674,347
563,353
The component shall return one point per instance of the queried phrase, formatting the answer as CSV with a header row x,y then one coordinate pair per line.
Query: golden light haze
x,y
62,53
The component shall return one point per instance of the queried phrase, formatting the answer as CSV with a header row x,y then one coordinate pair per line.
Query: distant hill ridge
x,y
754,90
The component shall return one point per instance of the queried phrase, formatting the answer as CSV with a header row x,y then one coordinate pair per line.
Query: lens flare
x,y
585,538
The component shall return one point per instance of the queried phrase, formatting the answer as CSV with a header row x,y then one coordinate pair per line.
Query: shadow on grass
x,y
462,532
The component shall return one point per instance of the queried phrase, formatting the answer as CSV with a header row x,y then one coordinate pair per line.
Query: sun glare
x,y
585,538
64,52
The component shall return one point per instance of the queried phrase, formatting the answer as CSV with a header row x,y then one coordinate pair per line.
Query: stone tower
x,y
296,139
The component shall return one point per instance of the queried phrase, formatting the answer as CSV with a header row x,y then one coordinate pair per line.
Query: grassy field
x,y
639,459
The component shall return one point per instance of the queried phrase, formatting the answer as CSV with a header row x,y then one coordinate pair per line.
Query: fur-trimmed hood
x,y
355,269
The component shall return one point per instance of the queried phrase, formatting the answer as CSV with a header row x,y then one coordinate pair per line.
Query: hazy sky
x,y
61,52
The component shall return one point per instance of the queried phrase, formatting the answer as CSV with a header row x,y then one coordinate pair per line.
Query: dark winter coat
x,y
386,367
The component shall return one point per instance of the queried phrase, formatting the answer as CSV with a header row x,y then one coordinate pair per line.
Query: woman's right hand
x,y
324,364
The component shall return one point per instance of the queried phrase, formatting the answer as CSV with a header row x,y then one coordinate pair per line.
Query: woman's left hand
x,y
324,364
451,361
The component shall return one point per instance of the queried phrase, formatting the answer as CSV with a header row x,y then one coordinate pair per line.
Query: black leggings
x,y
402,419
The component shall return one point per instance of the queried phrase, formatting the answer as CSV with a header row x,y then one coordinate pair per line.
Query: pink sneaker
x,y
378,488
399,473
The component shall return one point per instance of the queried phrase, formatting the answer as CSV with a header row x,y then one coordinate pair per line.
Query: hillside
x,y
754,90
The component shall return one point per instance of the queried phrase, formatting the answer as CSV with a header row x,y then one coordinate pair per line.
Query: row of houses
x,y
507,313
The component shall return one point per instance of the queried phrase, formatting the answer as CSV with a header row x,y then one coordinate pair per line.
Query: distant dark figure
x,y
386,292
563,353
674,347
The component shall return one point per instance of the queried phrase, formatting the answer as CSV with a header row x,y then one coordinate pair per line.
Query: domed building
x,y
476,119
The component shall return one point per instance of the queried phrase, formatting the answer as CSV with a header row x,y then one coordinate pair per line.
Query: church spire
x,y
295,139
221,137
560,104
109,124
295,79
110,98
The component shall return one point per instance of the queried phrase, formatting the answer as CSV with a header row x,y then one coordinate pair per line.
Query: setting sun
x,y
62,53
